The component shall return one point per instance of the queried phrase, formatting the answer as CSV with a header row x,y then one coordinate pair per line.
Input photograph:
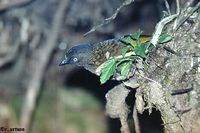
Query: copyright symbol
x,y
3,129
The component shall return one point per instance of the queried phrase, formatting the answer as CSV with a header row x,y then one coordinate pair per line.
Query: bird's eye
x,y
75,59
65,56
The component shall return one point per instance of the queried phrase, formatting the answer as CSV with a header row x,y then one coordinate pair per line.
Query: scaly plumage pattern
x,y
91,56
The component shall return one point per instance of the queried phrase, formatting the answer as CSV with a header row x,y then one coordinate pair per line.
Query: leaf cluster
x,y
134,50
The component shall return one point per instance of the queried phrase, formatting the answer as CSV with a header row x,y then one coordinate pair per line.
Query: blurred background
x,y
37,94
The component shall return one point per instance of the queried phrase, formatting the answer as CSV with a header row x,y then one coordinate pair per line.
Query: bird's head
x,y
77,55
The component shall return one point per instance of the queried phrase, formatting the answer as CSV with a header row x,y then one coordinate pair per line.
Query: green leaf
x,y
124,51
135,40
121,61
140,50
108,70
164,38
125,68
137,35
129,41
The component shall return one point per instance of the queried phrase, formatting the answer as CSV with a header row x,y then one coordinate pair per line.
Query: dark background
x,y
69,99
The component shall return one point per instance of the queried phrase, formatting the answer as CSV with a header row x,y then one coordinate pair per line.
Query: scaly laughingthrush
x,y
91,56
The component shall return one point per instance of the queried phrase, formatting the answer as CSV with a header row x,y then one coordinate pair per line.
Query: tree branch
x,y
39,65
108,20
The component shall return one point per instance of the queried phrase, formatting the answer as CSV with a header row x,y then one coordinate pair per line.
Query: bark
x,y
172,72
171,84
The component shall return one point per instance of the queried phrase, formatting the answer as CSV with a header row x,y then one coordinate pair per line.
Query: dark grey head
x,y
78,55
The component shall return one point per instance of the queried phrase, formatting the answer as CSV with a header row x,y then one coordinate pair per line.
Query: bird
x,y
91,56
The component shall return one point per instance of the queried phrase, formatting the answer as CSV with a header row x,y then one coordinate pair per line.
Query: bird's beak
x,y
63,62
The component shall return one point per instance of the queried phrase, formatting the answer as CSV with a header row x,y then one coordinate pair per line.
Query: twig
x,y
159,28
181,91
108,20
12,3
171,51
166,123
25,25
136,120
177,12
167,6
178,7
43,55
189,14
